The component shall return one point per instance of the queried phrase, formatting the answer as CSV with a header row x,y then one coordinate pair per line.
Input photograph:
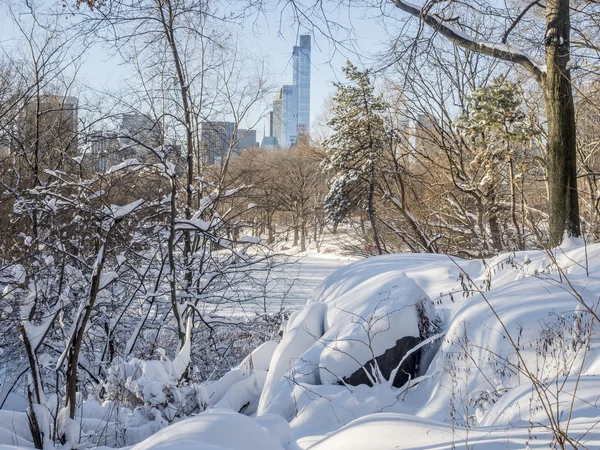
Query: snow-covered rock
x,y
352,334
302,334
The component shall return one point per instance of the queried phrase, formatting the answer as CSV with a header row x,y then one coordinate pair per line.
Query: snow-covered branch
x,y
501,51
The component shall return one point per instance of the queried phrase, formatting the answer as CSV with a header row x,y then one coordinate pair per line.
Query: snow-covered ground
x,y
505,355
289,284
308,273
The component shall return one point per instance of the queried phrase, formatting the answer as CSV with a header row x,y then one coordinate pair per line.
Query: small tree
x,y
354,148
497,130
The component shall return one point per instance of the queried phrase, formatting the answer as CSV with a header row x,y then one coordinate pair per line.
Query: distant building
x,y
218,137
301,81
290,118
285,116
139,136
423,131
103,151
269,143
245,139
270,124
50,127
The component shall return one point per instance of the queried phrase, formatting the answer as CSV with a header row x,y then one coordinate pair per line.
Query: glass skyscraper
x,y
302,83
291,107
285,116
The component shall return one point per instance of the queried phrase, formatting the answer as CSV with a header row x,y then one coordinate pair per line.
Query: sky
x,y
271,34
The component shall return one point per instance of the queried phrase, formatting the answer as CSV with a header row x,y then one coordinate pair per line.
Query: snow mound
x,y
342,336
392,431
212,430
368,320
241,387
501,323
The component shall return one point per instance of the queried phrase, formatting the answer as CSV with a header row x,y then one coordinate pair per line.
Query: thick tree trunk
x,y
560,110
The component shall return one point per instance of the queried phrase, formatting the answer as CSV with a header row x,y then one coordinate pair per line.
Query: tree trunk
x,y
271,237
303,235
372,211
172,265
560,110
81,327
513,206
169,30
495,230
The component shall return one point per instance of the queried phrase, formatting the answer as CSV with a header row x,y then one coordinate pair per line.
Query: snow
x,y
243,396
193,224
301,335
367,320
418,11
250,239
213,430
14,428
118,212
290,285
124,165
184,357
474,364
498,324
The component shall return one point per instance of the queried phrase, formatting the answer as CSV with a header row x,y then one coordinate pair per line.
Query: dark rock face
x,y
388,362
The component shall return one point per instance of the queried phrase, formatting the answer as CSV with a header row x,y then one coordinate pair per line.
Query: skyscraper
x,y
285,116
291,107
301,58
218,137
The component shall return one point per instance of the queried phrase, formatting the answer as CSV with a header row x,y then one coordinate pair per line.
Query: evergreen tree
x,y
354,148
498,130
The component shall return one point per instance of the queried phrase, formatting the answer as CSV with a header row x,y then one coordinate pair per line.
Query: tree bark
x,y
513,206
80,329
169,31
372,211
560,110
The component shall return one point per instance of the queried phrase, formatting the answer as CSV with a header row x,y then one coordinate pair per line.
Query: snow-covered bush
x,y
153,384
